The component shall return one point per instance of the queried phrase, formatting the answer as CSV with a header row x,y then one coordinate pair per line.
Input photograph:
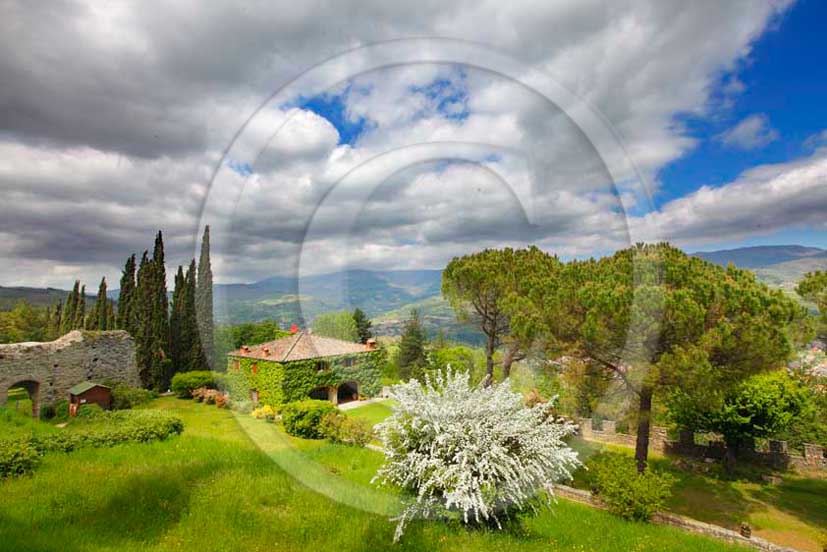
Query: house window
x,y
349,362
254,396
235,365
321,366
254,368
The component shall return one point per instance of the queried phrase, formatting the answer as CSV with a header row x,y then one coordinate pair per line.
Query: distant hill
x,y
762,256
37,297
779,266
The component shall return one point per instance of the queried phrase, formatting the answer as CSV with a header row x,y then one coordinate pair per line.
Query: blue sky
x,y
784,78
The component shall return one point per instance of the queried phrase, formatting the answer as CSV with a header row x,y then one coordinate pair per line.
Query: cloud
x,y
113,127
760,201
753,132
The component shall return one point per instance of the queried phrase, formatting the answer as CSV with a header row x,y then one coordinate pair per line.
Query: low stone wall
x,y
47,370
777,454
685,523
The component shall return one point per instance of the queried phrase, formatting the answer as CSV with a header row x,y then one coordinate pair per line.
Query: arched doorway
x,y
348,391
324,394
25,396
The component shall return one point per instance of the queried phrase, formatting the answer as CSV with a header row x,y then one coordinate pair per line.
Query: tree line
x,y
666,325
170,336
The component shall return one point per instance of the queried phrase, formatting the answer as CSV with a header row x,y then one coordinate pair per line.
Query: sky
x,y
315,137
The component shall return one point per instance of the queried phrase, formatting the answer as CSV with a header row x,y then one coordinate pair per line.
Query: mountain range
x,y
388,296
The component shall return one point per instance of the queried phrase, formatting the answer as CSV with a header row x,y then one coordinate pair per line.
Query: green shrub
x,y
47,412
125,397
184,383
17,458
302,418
90,410
343,429
104,429
61,410
615,480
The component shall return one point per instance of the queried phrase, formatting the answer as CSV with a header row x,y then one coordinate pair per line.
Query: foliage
x,y
184,383
478,287
412,358
17,458
813,287
302,418
631,495
475,452
125,397
242,406
25,323
363,325
762,406
89,410
229,338
127,315
203,300
338,325
104,429
265,412
344,429
658,320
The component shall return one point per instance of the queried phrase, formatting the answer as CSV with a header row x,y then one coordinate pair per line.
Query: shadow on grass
x,y
805,499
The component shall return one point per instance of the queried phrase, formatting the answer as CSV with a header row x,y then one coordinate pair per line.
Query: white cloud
x,y
112,128
753,132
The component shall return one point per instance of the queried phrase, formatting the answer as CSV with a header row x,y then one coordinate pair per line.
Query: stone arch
x,y
347,391
32,387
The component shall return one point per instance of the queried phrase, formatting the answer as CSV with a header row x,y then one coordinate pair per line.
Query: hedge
x,y
302,418
107,429
183,383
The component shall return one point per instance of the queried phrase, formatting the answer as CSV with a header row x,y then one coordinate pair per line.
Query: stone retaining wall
x,y
777,454
685,523
47,370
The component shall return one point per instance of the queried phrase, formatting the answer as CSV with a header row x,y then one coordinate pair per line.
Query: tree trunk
x,y
489,360
643,423
508,359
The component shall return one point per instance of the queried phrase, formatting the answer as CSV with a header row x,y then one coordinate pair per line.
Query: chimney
x,y
267,351
371,343
294,329
245,349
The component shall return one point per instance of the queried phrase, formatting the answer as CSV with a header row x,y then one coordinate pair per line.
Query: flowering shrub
x,y
220,400
471,452
184,383
265,412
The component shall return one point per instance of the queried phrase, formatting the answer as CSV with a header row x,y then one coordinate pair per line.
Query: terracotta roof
x,y
301,346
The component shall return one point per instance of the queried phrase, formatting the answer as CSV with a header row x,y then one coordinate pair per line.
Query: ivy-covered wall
x,y
280,383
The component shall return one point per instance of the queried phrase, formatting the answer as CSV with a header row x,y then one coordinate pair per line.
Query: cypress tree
x,y
176,319
54,326
412,357
98,319
161,364
79,322
127,315
196,359
110,314
141,303
363,325
68,317
204,300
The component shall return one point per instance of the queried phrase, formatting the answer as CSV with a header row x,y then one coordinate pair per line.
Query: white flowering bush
x,y
470,452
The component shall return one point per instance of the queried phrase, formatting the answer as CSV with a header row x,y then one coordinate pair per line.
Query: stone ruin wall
x,y
48,370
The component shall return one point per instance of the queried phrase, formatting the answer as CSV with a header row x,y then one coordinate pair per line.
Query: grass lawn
x,y
372,413
791,513
213,488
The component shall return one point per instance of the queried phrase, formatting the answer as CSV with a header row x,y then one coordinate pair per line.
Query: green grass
x,y
372,413
16,424
791,513
213,488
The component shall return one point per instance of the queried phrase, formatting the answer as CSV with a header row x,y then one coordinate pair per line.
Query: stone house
x,y
305,366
